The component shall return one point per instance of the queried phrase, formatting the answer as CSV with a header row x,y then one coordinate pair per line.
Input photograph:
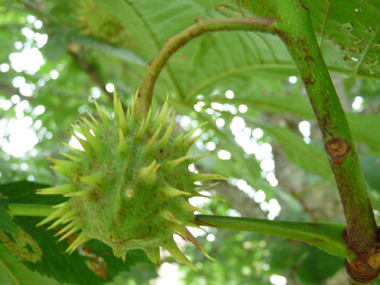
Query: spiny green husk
x,y
131,185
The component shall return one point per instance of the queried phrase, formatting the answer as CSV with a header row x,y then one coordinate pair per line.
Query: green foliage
x,y
72,269
93,43
6,223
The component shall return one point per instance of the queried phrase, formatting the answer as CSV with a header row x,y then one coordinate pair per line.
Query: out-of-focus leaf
x,y
57,43
13,272
297,105
305,156
6,222
290,251
318,266
371,171
23,192
365,128
118,52
10,2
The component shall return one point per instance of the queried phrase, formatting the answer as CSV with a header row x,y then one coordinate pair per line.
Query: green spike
x,y
164,109
193,140
169,192
208,197
77,151
106,120
134,106
96,179
70,232
200,187
57,213
81,239
68,227
173,163
184,231
96,122
122,121
71,166
186,206
95,143
139,132
152,141
129,112
83,193
188,135
149,174
123,256
70,215
118,252
156,115
198,158
69,156
147,121
122,143
115,106
63,189
58,205
87,147
178,138
165,121
167,215
91,126
153,254
173,249
188,223
165,139
207,176
63,171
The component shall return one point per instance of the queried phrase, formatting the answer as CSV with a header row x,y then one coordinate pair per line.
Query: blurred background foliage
x,y
57,55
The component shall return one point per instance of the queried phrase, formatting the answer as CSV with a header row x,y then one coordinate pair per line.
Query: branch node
x,y
359,275
337,149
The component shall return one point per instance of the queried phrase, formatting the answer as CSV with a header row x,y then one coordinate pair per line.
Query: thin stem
x,y
327,237
295,29
200,28
30,210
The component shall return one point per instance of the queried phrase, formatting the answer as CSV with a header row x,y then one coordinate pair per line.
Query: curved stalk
x,y
200,28
325,236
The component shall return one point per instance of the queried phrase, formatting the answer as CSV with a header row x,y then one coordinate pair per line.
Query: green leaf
x,y
6,222
208,5
9,2
371,170
350,33
290,251
318,266
56,45
305,156
23,192
297,105
65,268
71,269
363,128
116,51
13,272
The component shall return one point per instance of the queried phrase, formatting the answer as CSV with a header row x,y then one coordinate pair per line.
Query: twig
x,y
295,29
200,28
